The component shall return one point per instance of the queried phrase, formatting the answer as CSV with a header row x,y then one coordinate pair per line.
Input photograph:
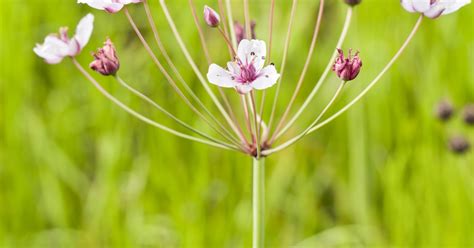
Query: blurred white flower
x,y
58,46
434,8
111,6
246,72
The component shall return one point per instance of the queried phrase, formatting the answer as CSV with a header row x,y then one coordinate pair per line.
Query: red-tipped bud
x,y
106,61
211,17
352,2
348,68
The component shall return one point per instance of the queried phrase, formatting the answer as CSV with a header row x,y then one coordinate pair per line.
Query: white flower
x,y
246,72
111,6
58,46
434,8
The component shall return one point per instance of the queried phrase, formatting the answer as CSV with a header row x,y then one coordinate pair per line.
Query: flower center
x,y
248,74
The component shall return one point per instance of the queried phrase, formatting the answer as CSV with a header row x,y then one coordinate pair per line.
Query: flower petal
x,y
434,12
408,5
454,5
252,50
107,5
268,77
220,77
53,50
243,88
233,68
129,1
84,31
421,5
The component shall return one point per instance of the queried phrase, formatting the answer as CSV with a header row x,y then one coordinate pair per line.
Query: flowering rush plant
x,y
248,71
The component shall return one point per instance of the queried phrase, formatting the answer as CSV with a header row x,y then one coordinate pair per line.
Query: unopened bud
x,y
459,144
352,2
468,114
444,110
106,61
211,17
348,68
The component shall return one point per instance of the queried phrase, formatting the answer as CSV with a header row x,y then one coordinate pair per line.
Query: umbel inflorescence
x,y
249,70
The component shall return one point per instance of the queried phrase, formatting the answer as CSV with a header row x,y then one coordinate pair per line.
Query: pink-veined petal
x,y
53,50
220,77
252,50
408,5
84,30
268,77
421,5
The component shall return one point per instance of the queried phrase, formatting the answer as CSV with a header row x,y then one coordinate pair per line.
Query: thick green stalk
x,y
258,203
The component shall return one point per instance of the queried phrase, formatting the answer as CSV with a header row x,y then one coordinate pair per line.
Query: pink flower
x,y
348,68
211,17
246,72
58,46
434,8
111,6
106,61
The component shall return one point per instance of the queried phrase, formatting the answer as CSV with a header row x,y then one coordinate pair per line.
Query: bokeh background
x,y
76,171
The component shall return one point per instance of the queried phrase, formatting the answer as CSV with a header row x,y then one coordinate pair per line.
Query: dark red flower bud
x,y
444,110
468,114
211,17
106,61
352,2
348,68
459,144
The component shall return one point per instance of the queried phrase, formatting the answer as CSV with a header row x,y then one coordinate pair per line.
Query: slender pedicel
x,y
164,111
228,42
303,73
377,78
347,69
247,118
302,134
248,29
318,85
230,19
269,56
168,77
159,43
212,19
209,21
143,118
195,68
283,62
224,20
253,108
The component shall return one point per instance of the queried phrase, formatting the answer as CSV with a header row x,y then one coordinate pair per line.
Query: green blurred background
x,y
76,171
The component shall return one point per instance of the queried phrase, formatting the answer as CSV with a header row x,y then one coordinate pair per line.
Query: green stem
x,y
258,203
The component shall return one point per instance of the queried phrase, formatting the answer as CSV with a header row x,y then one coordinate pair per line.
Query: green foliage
x,y
76,171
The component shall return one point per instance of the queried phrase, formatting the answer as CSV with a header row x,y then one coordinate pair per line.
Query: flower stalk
x,y
303,73
258,203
